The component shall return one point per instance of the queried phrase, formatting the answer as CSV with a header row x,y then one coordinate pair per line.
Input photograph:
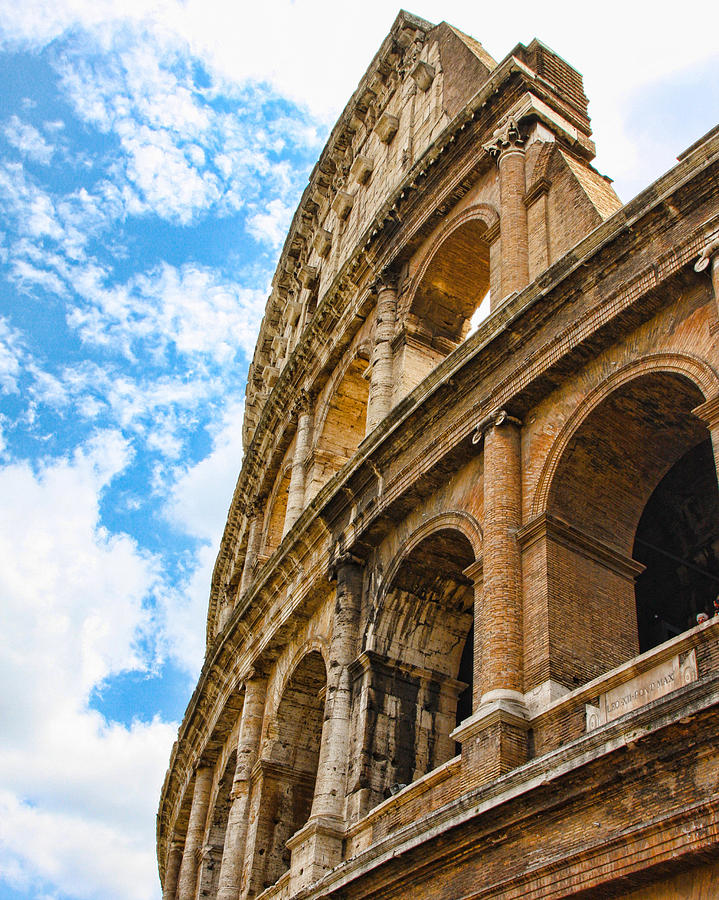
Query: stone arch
x,y
418,655
612,456
209,875
289,762
312,645
693,368
459,520
276,510
340,421
455,269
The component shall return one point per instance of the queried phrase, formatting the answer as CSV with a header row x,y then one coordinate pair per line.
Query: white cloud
x,y
11,356
271,226
198,499
201,493
77,794
28,140
191,308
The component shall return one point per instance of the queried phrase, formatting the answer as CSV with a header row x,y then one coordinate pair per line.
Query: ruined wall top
x,y
421,79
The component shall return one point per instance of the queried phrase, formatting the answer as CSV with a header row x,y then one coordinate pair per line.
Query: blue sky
x,y
150,162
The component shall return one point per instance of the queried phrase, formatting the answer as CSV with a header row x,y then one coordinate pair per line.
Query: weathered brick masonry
x,y
461,637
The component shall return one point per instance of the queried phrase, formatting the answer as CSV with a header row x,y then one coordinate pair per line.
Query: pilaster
x,y
254,539
317,848
247,750
187,878
507,148
494,738
172,871
296,494
381,384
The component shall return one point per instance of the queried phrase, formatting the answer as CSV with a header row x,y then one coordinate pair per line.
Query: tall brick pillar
x,y
296,494
494,739
317,848
507,148
172,870
381,385
254,538
248,743
187,879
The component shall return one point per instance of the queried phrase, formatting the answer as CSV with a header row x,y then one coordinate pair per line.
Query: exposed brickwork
x,y
445,550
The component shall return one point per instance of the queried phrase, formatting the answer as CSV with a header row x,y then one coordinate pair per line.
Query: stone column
x,y
507,147
172,870
494,739
254,539
248,743
381,385
317,848
296,494
187,879
500,621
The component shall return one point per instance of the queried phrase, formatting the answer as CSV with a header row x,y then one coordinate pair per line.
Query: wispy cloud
x,y
76,594
28,140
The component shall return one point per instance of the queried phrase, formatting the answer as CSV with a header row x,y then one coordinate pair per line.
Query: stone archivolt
x,y
451,540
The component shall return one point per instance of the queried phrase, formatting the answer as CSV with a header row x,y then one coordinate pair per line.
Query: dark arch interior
x,y
455,283
423,662
617,460
678,542
290,780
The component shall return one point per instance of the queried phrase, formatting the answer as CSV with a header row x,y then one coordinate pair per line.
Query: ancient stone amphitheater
x,y
461,638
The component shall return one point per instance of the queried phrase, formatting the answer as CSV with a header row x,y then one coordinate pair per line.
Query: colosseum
x,y
461,639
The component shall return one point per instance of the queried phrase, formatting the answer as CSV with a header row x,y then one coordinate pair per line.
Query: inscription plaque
x,y
656,682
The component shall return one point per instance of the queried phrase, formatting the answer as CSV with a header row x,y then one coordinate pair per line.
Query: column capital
x,y
494,420
387,279
709,254
257,506
340,560
708,412
303,402
506,138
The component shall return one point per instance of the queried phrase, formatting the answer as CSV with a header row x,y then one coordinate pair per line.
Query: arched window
x,y
342,428
636,486
420,667
289,767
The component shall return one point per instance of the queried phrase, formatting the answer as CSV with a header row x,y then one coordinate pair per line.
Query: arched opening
x,y
451,288
632,463
209,877
454,284
277,512
290,765
678,542
421,666
343,427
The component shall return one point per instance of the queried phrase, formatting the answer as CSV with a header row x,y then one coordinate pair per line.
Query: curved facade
x,y
455,640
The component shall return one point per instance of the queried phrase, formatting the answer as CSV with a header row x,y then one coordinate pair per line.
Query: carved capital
x,y
257,507
302,403
709,253
388,279
506,137
494,420
346,559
